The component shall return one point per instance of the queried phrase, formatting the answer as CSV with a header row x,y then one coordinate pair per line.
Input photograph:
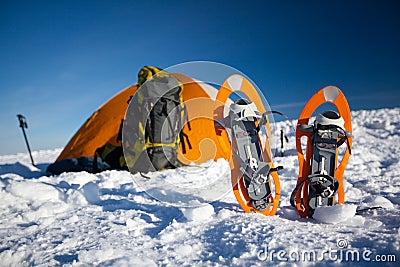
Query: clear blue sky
x,y
60,60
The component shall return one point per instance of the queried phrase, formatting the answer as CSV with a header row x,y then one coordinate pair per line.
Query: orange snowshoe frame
x,y
334,95
238,184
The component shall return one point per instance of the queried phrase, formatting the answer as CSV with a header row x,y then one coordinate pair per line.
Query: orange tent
x,y
103,126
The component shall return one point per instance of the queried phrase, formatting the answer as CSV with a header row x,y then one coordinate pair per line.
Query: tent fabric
x,y
101,128
104,125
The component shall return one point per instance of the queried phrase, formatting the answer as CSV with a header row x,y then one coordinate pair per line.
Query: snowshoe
x,y
254,179
320,176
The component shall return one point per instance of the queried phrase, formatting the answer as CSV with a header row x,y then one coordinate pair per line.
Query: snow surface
x,y
109,219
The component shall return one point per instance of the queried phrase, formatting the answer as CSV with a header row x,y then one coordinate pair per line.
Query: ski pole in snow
x,y
283,138
281,143
23,125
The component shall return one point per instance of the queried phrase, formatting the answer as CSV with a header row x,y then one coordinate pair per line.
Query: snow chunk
x,y
135,226
378,124
91,192
183,250
356,221
372,224
35,191
225,213
78,179
46,210
75,198
202,213
335,214
377,201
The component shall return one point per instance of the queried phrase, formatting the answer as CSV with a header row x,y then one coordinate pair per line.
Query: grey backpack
x,y
158,109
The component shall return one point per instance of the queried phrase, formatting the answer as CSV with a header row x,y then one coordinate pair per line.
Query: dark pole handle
x,y
23,125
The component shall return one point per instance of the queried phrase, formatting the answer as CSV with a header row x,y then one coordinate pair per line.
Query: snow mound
x,y
202,213
335,214
35,192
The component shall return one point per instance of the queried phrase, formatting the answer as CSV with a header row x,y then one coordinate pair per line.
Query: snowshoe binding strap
x,y
330,117
244,109
329,122
322,185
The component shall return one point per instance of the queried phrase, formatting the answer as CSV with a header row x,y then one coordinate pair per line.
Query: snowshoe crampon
x,y
320,178
241,119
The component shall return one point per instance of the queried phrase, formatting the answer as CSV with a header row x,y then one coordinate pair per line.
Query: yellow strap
x,y
160,144
175,144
